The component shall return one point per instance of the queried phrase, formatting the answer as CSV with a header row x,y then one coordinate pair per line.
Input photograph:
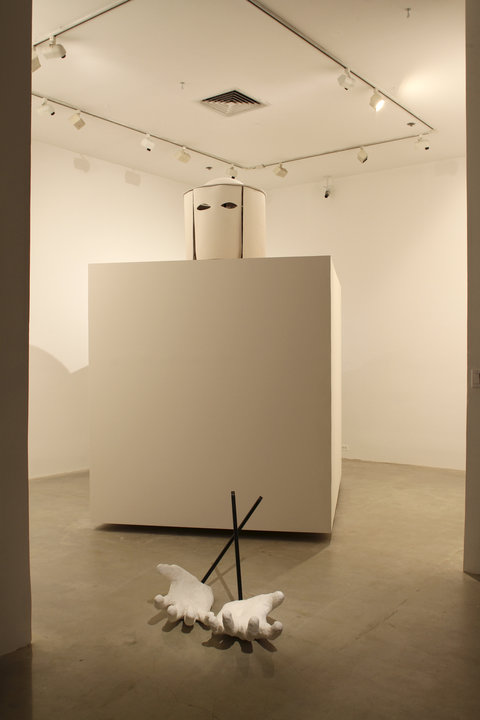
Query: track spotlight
x,y
147,143
421,143
362,155
232,172
377,101
280,171
45,108
77,120
182,155
345,80
35,60
54,50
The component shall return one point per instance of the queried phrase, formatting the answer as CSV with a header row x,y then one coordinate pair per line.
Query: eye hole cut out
x,y
229,205
203,206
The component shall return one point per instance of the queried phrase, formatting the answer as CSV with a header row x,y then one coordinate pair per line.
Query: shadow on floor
x,y
321,540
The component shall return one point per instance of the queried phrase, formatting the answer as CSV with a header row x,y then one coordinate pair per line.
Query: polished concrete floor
x,y
379,620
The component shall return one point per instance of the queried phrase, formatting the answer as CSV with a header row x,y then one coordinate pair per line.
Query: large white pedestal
x,y
212,376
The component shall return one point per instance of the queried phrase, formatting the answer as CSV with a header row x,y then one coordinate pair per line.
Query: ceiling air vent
x,y
232,102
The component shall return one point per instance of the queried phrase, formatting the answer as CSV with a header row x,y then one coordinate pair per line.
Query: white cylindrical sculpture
x,y
224,219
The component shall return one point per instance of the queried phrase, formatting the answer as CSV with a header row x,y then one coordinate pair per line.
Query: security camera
x,y
327,193
147,143
422,144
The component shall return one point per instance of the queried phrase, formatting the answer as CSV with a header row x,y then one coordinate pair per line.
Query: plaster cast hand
x,y
187,597
247,619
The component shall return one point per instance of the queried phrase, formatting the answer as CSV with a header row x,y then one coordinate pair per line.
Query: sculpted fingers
x,y
277,598
174,612
273,631
214,623
172,572
253,628
189,617
191,600
203,617
228,622
160,601
210,620
187,598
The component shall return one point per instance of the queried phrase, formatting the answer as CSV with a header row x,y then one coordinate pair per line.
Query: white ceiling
x,y
129,64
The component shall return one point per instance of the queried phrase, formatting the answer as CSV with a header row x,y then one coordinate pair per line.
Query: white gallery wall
x,y
398,241
81,216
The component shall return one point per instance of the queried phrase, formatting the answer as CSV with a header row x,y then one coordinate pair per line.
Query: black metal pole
x,y
240,527
237,548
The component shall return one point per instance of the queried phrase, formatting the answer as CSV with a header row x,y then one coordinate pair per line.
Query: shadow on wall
x,y
58,416
16,685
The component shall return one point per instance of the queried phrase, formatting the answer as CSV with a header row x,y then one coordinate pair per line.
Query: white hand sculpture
x,y
247,619
187,597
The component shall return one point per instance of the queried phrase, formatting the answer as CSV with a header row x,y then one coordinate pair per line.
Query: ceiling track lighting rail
x,y
181,146
357,147
348,70
81,21
232,164
346,80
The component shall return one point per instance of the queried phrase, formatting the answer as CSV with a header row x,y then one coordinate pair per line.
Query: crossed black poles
x,y
234,539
